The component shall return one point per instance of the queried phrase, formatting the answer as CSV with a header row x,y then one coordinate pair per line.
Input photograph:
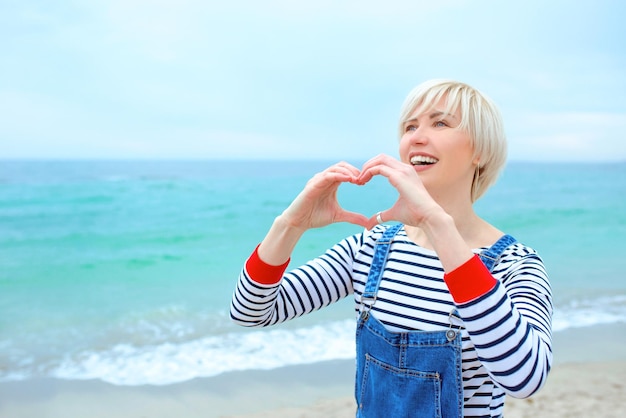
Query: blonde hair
x,y
480,119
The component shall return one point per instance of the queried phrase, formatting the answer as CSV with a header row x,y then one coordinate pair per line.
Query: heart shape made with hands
x,y
375,196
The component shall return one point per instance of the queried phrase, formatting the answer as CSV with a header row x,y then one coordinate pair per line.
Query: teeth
x,y
422,159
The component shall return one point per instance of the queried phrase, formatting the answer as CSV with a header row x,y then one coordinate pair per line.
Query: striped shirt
x,y
506,335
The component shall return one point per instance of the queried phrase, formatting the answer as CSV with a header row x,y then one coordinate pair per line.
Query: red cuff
x,y
469,281
264,273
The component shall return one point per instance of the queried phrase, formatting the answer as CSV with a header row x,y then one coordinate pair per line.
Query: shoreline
x,y
229,394
587,379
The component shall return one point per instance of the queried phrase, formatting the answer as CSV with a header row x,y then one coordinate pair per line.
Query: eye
x,y
410,128
440,123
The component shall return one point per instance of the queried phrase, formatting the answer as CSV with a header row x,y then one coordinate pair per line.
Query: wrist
x,y
443,235
288,225
437,219
278,244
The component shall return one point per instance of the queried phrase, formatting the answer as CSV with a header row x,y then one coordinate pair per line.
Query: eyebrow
x,y
438,113
433,115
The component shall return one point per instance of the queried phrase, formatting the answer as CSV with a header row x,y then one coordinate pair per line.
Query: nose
x,y
418,136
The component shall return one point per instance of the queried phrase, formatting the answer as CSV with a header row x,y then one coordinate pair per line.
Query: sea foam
x,y
262,349
172,363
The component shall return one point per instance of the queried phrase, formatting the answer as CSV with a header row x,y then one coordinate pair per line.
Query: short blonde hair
x,y
480,118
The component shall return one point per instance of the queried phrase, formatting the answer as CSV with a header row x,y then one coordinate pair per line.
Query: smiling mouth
x,y
423,160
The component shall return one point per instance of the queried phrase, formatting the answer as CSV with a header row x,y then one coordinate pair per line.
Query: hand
x,y
317,206
414,204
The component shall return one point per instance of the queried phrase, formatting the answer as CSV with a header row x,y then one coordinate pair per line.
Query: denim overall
x,y
408,374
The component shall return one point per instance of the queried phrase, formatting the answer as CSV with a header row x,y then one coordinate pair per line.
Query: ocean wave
x,y
172,363
167,361
579,313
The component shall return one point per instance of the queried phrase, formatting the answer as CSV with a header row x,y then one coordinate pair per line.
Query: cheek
x,y
403,147
462,148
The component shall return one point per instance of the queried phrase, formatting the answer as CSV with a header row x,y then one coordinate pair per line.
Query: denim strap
x,y
491,255
381,250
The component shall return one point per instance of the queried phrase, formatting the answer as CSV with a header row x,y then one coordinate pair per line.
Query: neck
x,y
457,203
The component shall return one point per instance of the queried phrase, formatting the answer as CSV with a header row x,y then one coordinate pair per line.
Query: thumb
x,y
353,218
379,218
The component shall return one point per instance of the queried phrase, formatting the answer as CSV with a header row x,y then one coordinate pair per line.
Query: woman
x,y
453,314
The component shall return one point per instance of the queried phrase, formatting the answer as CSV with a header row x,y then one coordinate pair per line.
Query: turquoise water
x,y
123,271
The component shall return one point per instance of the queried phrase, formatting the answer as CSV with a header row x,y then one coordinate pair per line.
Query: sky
x,y
280,79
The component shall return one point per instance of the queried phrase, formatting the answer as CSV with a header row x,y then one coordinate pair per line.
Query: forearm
x,y
446,240
265,295
279,242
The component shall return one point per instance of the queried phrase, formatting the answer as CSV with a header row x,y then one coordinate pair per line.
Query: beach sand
x,y
588,380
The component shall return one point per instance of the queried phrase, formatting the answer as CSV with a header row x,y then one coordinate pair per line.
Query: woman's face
x,y
441,154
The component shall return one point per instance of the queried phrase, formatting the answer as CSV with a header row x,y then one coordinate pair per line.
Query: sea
x,y
123,271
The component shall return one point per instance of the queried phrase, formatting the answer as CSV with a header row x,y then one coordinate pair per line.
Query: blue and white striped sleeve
x,y
510,326
318,283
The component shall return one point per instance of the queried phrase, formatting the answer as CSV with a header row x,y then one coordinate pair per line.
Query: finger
x,y
364,176
373,221
351,173
333,178
353,218
374,170
373,167
381,159
382,217
352,169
